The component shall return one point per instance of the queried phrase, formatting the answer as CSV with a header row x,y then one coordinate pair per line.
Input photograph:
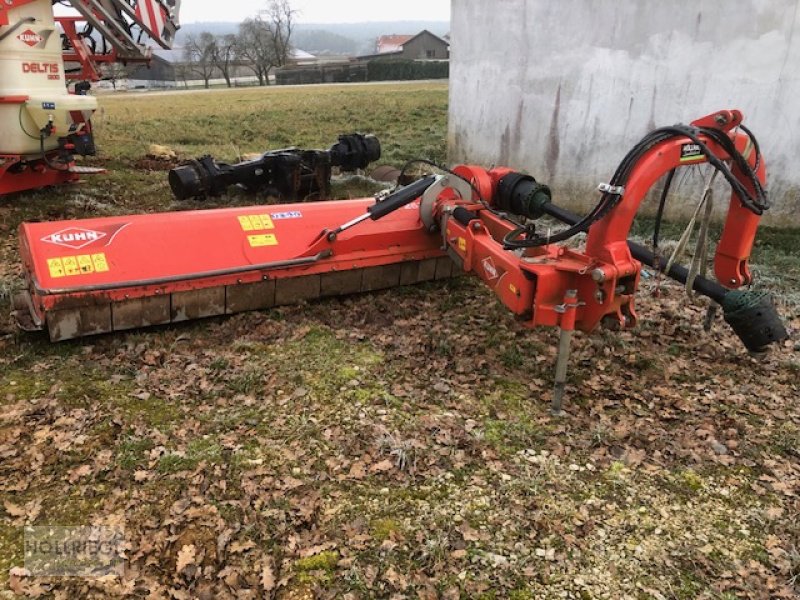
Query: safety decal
x,y
285,216
260,241
256,223
70,266
462,244
691,153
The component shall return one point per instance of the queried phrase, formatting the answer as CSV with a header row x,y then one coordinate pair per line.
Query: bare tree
x,y
224,55
199,55
264,41
182,73
254,45
281,20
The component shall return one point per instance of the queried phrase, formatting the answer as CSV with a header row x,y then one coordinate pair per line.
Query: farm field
x,y
394,445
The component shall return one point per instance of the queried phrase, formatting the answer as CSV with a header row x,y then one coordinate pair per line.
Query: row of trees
x,y
262,43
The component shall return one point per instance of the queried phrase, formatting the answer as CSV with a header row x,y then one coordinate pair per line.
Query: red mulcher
x,y
101,275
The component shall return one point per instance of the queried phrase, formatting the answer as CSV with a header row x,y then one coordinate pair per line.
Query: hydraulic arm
x,y
102,275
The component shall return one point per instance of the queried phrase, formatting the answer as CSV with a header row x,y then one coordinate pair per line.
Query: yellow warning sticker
x,y
256,223
100,263
462,244
85,264
259,241
56,267
71,265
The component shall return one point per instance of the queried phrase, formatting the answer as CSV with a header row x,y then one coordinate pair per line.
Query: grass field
x,y
396,445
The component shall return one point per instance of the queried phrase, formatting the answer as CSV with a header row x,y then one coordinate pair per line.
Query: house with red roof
x,y
422,46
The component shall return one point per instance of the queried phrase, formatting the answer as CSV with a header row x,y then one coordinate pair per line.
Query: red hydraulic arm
x,y
534,283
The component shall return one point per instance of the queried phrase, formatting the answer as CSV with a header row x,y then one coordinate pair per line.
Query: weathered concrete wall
x,y
565,89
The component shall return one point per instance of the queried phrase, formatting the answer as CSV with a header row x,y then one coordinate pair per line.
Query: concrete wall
x,y
565,89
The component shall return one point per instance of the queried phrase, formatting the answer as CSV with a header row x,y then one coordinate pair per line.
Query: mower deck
x,y
101,275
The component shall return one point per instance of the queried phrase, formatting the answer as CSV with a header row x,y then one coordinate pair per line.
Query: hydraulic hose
x,y
751,314
702,285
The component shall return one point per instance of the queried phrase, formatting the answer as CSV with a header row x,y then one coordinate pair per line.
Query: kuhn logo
x,y
490,269
30,37
74,237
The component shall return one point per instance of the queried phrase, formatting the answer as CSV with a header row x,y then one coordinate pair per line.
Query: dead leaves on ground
x,y
249,458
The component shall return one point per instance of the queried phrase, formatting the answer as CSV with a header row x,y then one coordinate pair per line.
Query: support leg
x,y
568,315
561,372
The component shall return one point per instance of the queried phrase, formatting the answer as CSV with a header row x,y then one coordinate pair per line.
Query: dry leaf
x,y
358,470
382,467
16,575
186,558
79,472
469,534
268,576
14,510
239,547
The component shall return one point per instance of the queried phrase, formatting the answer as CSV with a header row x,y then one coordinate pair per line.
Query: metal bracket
x,y
562,308
428,202
614,190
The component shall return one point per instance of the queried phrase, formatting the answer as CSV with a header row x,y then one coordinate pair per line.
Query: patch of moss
x,y
246,382
132,452
327,363
197,451
324,561
510,436
521,594
153,411
20,385
786,439
692,480
689,586
11,549
383,529
77,509
86,387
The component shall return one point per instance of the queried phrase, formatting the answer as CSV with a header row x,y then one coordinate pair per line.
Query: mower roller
x,y
111,274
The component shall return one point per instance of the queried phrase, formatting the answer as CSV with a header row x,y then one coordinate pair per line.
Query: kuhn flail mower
x,y
112,274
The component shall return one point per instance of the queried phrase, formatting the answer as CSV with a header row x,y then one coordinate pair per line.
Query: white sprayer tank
x,y
31,66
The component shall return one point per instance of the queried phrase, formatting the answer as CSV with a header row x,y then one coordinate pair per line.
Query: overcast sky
x,y
322,11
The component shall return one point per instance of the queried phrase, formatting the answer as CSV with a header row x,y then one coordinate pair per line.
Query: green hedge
x,y
399,70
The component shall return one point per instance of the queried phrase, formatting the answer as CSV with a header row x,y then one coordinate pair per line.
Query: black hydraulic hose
x,y
662,203
702,285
